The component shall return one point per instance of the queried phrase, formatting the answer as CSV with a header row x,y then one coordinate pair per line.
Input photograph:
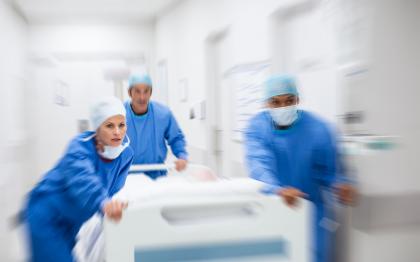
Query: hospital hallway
x,y
356,65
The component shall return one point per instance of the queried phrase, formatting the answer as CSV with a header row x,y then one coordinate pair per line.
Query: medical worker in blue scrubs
x,y
80,185
295,153
151,126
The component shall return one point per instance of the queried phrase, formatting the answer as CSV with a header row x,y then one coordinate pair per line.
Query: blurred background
x,y
357,63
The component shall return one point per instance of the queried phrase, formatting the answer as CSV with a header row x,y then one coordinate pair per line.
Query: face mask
x,y
284,116
112,152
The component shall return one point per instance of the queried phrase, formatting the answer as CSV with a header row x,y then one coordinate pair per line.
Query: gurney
x,y
197,216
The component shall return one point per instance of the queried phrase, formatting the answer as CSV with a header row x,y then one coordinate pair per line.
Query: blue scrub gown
x,y
150,133
68,195
303,156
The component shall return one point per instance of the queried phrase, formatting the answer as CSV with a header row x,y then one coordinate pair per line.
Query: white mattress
x,y
139,188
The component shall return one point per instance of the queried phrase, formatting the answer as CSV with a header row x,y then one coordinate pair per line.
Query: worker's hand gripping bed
x,y
198,217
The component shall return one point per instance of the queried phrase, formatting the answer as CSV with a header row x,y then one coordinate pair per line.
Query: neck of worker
x,y
140,111
278,127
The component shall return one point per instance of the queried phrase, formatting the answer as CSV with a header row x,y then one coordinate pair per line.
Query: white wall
x,y
304,38
387,93
92,40
13,48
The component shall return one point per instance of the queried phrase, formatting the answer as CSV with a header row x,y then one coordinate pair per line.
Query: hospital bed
x,y
200,217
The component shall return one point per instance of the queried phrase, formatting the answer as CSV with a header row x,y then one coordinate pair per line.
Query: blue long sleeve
x,y
325,160
176,139
259,157
331,166
122,177
83,185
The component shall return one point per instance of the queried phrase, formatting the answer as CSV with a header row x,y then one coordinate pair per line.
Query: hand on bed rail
x,y
180,164
113,209
291,195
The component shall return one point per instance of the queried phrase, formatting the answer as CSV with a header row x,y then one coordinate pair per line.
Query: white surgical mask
x,y
284,116
112,152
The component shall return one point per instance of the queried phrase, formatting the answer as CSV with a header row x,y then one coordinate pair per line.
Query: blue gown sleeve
x,y
326,162
82,184
122,176
176,139
260,160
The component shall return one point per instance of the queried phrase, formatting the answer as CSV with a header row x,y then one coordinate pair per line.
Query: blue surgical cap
x,y
139,79
278,85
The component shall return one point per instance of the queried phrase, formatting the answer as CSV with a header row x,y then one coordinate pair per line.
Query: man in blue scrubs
x,y
151,126
295,152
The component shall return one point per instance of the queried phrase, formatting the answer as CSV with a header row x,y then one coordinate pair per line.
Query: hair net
x,y
280,85
139,79
104,109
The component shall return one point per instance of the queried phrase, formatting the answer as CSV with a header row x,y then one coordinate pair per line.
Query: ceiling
x,y
92,11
